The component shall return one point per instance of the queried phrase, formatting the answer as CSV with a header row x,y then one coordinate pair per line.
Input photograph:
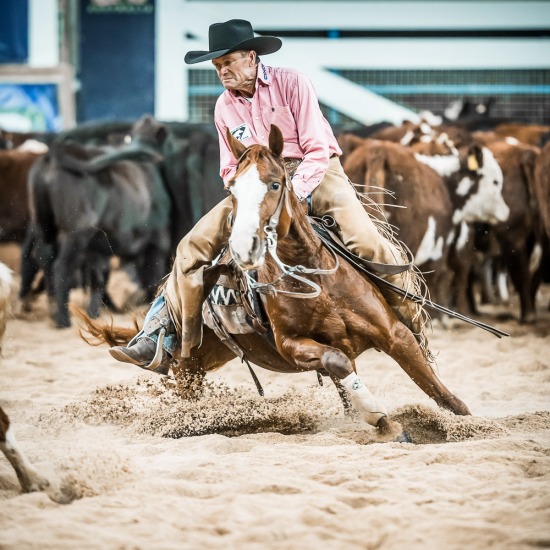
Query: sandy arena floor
x,y
143,469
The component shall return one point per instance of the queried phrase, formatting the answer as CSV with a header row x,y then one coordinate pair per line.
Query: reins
x,y
292,271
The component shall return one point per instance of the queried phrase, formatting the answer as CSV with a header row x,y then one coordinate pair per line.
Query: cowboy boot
x,y
141,353
153,347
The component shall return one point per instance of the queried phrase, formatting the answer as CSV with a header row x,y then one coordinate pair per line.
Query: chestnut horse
x,y
343,315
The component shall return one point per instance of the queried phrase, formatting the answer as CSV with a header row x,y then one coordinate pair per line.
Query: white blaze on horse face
x,y
249,190
486,204
431,247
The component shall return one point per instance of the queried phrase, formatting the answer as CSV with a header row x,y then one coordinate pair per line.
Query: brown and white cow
x,y
475,182
521,236
441,195
529,134
406,134
421,137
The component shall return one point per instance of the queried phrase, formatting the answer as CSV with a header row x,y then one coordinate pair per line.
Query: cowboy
x,y
255,97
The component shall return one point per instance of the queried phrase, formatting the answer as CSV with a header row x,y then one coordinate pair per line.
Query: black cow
x,y
89,200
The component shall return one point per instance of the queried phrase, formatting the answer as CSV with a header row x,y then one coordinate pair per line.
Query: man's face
x,y
236,70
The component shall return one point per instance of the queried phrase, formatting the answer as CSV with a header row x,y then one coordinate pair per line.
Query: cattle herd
x,y
477,205
472,205
125,190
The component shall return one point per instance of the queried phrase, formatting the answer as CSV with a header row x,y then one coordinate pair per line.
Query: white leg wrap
x,y
363,400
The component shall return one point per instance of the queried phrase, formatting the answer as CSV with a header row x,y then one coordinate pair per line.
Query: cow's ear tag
x,y
473,165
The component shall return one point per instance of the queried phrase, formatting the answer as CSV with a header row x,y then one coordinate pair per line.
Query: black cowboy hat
x,y
233,35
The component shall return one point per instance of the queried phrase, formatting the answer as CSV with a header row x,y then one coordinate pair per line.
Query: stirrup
x,y
157,359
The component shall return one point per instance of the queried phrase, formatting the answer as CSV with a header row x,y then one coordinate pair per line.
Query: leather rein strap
x,y
293,271
363,266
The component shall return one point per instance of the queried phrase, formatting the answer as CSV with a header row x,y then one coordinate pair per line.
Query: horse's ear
x,y
237,148
283,227
276,141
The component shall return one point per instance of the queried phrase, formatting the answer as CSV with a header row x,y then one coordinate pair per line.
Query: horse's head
x,y
261,195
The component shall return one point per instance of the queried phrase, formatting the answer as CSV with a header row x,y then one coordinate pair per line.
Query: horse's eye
x,y
275,185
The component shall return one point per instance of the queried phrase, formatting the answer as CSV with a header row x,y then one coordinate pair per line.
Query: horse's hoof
x,y
35,484
403,437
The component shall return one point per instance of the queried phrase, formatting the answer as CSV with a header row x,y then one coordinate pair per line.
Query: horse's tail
x,y
96,333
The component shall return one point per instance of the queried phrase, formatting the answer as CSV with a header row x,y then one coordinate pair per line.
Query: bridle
x,y
296,271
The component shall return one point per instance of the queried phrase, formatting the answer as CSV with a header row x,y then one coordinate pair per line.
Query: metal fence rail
x,y
517,94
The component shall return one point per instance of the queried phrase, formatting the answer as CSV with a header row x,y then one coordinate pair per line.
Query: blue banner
x,y
14,35
29,108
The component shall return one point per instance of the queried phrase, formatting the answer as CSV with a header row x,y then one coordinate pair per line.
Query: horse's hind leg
x,y
311,355
344,396
28,477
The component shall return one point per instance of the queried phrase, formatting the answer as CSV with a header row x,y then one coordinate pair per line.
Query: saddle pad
x,y
226,304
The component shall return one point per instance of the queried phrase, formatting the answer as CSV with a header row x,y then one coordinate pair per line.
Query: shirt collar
x,y
263,75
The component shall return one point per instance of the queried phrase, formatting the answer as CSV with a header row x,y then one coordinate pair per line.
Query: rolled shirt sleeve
x,y
312,136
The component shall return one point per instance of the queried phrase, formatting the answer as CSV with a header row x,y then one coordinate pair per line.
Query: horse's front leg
x,y
401,345
190,371
311,355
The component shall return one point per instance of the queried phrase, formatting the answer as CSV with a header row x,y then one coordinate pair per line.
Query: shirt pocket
x,y
283,118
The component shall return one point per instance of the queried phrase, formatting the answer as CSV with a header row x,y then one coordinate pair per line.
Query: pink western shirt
x,y
286,98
